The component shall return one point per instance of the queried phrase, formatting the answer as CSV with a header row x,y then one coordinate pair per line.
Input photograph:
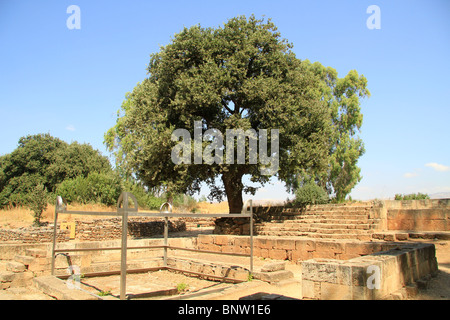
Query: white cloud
x,y
70,127
410,174
437,166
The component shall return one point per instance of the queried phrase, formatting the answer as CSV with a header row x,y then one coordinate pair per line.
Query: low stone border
x,y
369,277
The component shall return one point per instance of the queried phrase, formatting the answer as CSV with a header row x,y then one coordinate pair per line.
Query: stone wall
x,y
292,249
98,229
109,229
338,269
418,215
32,235
410,215
370,277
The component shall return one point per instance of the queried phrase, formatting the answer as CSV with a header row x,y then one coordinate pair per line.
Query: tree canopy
x,y
45,160
242,75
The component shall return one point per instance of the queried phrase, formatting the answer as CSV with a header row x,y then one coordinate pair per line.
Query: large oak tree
x,y
242,75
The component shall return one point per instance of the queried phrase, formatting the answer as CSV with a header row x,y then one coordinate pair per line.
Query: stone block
x,y
22,279
321,271
305,245
329,247
242,241
278,254
211,247
286,244
264,253
310,289
221,240
333,291
26,260
401,236
242,275
274,266
7,276
301,255
411,290
264,243
15,266
37,253
274,276
205,239
57,288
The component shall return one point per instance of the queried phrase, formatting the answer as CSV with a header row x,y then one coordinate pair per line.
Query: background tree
x,y
37,202
343,97
43,159
239,76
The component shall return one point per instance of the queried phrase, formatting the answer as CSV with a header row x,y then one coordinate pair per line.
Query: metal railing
x,y
124,211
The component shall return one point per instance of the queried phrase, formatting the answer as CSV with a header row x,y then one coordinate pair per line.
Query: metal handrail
x,y
125,212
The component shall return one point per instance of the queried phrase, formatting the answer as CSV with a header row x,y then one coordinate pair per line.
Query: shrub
x,y
102,188
184,202
37,202
310,194
412,196
145,199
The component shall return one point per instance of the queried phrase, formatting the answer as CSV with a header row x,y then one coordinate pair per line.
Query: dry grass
x,y
206,207
23,217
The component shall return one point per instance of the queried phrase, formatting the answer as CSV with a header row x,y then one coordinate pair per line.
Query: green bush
x,y
145,199
43,159
102,188
184,202
310,194
154,203
412,196
37,202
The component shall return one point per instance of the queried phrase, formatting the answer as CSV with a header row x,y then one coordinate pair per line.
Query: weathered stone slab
x,y
274,266
58,289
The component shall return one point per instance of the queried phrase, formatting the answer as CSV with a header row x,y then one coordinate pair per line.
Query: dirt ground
x,y
438,287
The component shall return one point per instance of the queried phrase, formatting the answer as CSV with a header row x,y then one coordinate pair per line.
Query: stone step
x,y
273,277
58,289
7,276
114,266
15,266
328,221
26,260
323,229
331,219
273,266
363,237
283,233
37,253
331,216
306,227
327,210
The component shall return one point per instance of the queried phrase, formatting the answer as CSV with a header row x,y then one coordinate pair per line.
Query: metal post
x,y
166,235
166,227
123,259
54,239
251,236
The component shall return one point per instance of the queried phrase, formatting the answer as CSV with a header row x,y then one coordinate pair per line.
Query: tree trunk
x,y
232,182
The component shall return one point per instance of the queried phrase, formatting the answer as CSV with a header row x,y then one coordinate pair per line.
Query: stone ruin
x,y
340,248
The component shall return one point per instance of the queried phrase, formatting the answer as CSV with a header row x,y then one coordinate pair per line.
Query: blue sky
x,y
70,83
